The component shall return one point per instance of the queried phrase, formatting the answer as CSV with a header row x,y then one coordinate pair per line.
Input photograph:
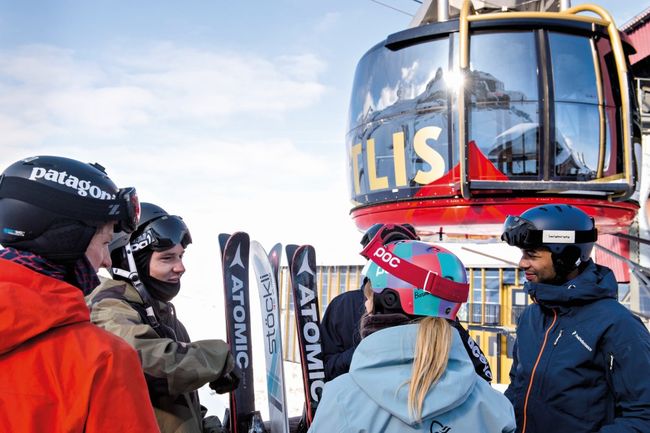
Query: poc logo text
x,y
387,257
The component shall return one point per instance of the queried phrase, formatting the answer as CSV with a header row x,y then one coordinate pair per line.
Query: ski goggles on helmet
x,y
162,234
421,278
390,233
519,232
128,209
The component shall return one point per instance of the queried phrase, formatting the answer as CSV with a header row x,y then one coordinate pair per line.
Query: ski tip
x,y
276,251
291,251
256,246
241,235
223,240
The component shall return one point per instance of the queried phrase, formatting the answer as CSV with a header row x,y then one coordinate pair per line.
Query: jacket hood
x,y
593,283
382,366
33,303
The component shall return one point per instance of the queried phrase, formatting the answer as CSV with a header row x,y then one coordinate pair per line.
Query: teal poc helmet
x,y
565,230
416,278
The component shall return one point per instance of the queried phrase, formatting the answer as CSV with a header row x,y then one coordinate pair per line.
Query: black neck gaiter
x,y
159,290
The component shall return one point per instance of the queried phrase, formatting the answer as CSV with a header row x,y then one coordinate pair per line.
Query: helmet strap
x,y
133,276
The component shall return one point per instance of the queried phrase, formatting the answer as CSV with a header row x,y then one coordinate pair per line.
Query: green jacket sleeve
x,y
170,367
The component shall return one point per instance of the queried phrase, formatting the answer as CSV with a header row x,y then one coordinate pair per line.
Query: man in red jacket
x,y
58,372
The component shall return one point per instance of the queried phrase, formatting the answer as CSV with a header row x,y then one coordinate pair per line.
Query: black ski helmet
x,y
52,206
565,230
157,230
394,232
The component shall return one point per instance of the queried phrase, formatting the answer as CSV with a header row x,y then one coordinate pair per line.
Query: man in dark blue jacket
x,y
581,361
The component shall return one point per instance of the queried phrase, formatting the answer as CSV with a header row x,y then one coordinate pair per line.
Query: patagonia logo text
x,y
83,187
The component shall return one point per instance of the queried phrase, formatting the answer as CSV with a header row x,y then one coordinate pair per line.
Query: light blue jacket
x,y
372,397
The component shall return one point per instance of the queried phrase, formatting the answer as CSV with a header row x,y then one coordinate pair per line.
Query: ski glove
x,y
212,424
228,382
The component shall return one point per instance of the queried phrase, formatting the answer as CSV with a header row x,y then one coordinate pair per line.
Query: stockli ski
x,y
302,265
234,259
275,257
270,311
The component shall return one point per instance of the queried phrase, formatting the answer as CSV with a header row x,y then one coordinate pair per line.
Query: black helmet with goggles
x,y
52,206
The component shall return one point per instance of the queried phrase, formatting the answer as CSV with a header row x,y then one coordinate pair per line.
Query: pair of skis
x,y
235,250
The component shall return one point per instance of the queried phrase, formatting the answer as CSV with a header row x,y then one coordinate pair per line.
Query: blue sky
x,y
231,114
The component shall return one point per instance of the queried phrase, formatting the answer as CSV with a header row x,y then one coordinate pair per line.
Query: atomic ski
x,y
302,268
270,310
234,258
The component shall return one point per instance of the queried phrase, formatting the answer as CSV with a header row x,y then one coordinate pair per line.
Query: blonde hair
x,y
367,290
432,347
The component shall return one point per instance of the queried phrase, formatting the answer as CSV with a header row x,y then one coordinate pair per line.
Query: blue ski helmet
x,y
565,230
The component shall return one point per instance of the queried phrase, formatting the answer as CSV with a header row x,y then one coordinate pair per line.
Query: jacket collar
x,y
593,283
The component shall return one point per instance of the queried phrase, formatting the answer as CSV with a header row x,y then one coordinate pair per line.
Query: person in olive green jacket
x,y
135,305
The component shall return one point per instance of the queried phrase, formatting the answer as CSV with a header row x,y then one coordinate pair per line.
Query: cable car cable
x,y
391,7
632,238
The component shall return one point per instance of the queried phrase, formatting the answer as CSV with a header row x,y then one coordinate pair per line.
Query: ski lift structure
x,y
483,109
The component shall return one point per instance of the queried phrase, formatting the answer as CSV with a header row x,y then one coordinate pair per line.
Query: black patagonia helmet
x,y
565,230
157,231
52,206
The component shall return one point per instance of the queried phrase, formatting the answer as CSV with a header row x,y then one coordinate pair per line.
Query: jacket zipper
x,y
532,374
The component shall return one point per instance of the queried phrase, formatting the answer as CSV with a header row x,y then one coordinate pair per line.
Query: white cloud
x,y
45,88
192,82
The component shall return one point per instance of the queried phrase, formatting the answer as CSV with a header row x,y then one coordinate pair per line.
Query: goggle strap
x,y
414,274
142,241
580,236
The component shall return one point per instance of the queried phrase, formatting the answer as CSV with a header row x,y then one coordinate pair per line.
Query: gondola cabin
x,y
476,113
